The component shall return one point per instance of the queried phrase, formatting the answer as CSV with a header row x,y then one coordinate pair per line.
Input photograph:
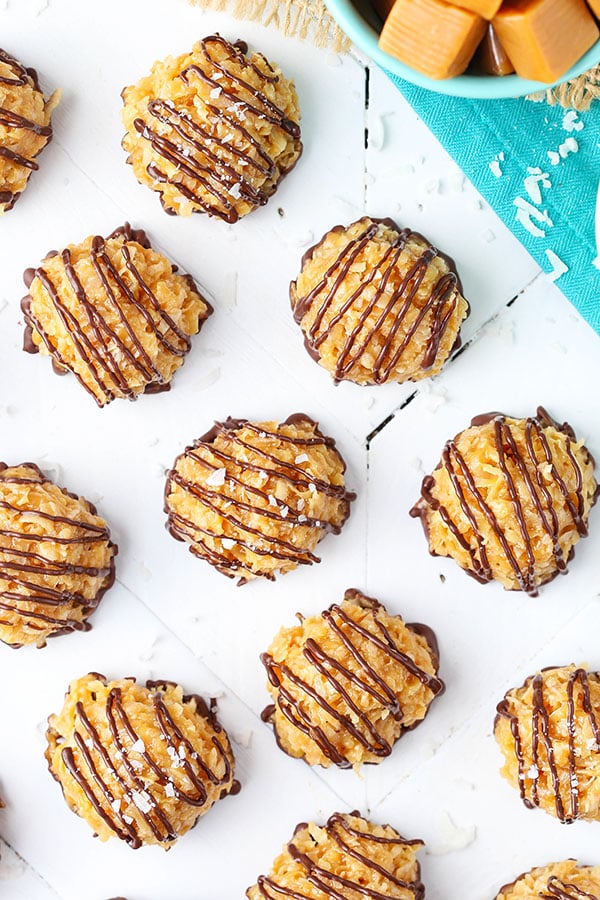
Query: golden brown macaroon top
x,y
139,763
349,858
255,498
115,313
378,303
56,558
549,733
24,127
349,682
509,499
564,880
213,130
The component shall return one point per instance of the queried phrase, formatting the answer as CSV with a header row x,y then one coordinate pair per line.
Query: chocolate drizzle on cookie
x,y
112,355
362,640
561,890
361,848
110,773
546,746
383,302
531,472
219,155
14,75
35,582
238,504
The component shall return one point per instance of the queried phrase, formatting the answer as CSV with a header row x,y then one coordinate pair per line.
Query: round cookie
x,y
348,683
549,733
558,881
139,763
25,127
378,303
213,130
56,558
114,312
255,498
349,857
509,499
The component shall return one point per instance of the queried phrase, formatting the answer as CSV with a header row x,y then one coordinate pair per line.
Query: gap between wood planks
x,y
379,428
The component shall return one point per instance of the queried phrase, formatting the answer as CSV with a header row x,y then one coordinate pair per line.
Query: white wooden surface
x,y
170,614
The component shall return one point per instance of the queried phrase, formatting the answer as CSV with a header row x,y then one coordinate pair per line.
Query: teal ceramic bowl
x,y
360,22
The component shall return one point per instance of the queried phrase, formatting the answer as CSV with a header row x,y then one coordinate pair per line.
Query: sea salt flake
x,y
532,183
451,837
182,751
235,191
488,235
116,804
300,505
312,487
228,543
169,789
138,747
302,518
243,738
558,266
303,457
569,146
526,212
215,93
376,132
142,801
127,819
533,772
216,478
571,121
284,511
272,500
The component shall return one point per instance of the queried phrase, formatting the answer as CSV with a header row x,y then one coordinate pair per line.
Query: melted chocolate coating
x,y
20,77
506,447
99,344
555,890
23,563
447,288
540,735
365,679
88,776
279,548
331,883
196,148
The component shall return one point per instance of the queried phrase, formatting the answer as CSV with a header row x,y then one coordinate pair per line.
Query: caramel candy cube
x,y
491,57
594,5
485,8
544,38
431,36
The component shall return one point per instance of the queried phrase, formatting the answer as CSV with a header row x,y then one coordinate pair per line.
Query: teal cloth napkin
x,y
538,166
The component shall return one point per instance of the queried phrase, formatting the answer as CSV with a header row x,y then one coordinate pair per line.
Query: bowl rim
x,y
481,87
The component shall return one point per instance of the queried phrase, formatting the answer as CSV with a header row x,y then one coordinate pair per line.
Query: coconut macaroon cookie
x,y
114,312
549,733
378,303
56,558
139,763
349,857
214,130
255,498
558,881
346,684
25,127
509,499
